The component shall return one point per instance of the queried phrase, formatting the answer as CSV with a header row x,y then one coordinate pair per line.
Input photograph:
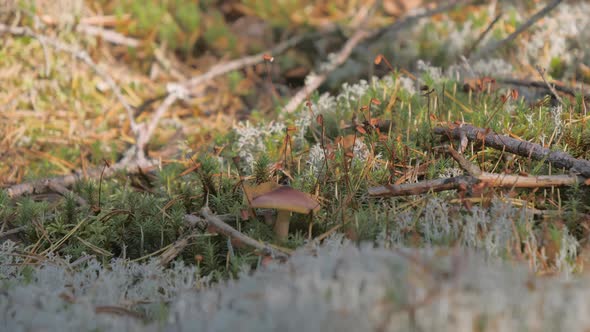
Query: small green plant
x,y
262,169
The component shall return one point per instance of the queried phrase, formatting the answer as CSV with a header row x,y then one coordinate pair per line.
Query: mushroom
x,y
285,199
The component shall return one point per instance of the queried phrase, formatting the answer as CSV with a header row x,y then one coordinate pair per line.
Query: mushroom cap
x,y
283,198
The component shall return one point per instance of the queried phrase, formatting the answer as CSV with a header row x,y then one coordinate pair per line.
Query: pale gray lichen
x,y
251,139
347,288
337,286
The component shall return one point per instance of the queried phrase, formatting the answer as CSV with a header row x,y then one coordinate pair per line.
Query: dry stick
x,y
551,88
80,55
12,231
317,80
390,190
94,26
313,81
224,68
176,248
110,36
64,191
483,35
526,149
194,222
541,85
181,91
470,168
43,185
484,179
197,223
146,132
491,48
119,311
408,20
225,229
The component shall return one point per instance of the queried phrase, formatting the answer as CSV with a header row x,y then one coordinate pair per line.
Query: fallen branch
x,y
482,35
182,90
145,132
57,187
483,180
44,185
408,20
216,223
251,60
94,26
176,248
470,168
492,47
225,229
541,85
541,72
110,36
313,80
526,149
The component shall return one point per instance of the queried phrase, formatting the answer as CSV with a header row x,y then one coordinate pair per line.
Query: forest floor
x,y
356,165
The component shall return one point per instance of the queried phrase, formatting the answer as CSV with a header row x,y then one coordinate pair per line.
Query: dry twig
x,y
483,180
44,185
313,81
57,187
145,133
483,35
526,149
470,168
182,90
408,20
227,230
110,36
480,179
542,85
176,248
491,48
541,72
224,68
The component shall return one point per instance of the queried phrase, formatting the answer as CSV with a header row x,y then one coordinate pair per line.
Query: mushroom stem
x,y
282,224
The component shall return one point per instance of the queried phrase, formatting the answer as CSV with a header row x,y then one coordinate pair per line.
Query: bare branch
x,y
224,68
470,168
313,81
543,85
541,72
491,48
231,232
485,179
44,185
57,187
146,132
110,36
526,149
181,90
408,20
483,35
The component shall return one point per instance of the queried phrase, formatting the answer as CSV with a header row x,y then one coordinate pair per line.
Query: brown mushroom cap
x,y
284,198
